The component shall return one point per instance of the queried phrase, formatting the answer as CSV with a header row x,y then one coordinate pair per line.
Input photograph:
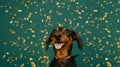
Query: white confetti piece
x,y
19,10
95,10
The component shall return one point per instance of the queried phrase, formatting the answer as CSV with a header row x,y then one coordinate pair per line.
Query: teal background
x,y
26,24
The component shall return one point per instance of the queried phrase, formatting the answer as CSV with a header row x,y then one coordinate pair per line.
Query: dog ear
x,y
78,39
48,42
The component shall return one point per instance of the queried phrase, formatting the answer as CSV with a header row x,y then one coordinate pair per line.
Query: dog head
x,y
63,37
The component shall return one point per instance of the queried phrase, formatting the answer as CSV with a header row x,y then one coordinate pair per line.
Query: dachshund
x,y
62,39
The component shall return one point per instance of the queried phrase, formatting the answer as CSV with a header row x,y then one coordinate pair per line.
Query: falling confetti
x,y
26,25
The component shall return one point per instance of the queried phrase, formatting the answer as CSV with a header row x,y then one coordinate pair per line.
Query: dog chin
x,y
59,45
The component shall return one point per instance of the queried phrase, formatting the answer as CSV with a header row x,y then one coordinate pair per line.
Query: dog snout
x,y
57,36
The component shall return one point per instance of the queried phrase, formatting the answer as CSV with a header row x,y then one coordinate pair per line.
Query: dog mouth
x,y
59,45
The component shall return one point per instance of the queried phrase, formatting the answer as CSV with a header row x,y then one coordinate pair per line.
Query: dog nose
x,y
57,36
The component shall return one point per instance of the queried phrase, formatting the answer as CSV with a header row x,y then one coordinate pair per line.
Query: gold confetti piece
x,y
105,15
1,6
43,46
118,1
99,40
14,43
24,40
78,12
22,65
5,43
8,59
60,25
25,56
98,65
33,52
18,38
15,18
107,30
102,48
97,56
76,26
33,64
16,58
31,30
29,15
21,55
88,32
94,38
46,57
48,17
42,31
117,59
118,44
59,13
6,11
39,57
70,21
49,24
25,49
12,31
4,56
117,31
108,64
65,19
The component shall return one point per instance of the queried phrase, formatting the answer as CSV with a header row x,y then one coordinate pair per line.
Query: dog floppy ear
x,y
78,39
48,42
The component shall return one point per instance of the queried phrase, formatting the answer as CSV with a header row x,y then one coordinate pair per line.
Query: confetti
x,y
26,25
31,30
22,65
98,65
6,11
33,64
108,64
19,10
12,31
95,10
